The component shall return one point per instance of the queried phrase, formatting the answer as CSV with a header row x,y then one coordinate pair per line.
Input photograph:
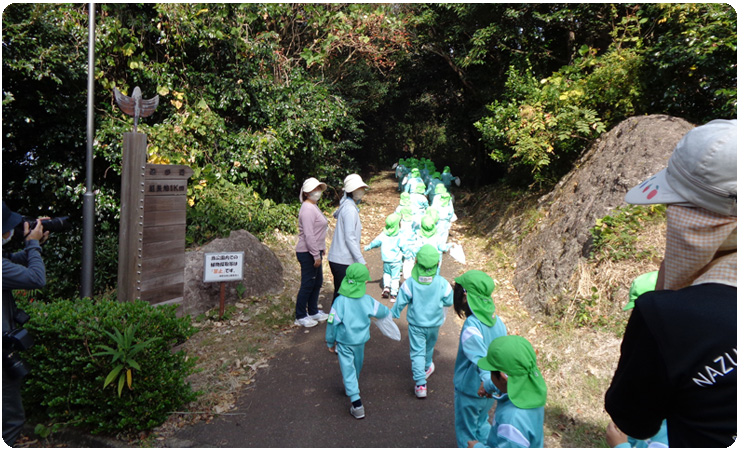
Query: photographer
x,y
21,270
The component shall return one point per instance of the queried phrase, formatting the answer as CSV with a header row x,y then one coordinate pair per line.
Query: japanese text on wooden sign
x,y
226,266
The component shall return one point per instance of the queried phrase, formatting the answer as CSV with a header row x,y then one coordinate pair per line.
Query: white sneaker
x,y
357,413
430,370
320,316
306,322
420,391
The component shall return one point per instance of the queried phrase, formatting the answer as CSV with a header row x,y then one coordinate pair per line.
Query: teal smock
x,y
514,427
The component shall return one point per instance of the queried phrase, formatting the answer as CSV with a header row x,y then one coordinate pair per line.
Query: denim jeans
x,y
311,280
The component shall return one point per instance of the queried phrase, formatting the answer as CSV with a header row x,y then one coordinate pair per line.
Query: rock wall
x,y
620,159
262,273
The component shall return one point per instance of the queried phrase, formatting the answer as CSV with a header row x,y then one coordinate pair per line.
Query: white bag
x,y
456,251
388,327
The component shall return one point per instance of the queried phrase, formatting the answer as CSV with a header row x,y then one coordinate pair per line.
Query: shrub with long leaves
x,y
124,353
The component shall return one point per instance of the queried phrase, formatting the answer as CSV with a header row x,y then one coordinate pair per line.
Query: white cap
x,y
702,171
310,185
353,182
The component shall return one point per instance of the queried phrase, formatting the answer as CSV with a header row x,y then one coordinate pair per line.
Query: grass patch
x,y
276,313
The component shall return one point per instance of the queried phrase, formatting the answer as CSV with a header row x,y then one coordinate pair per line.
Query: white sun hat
x,y
353,182
310,185
702,171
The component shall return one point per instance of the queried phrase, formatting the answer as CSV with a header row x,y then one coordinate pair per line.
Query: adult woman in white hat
x,y
679,352
345,245
311,245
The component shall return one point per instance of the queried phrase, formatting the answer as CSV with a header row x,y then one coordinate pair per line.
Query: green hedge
x,y
221,207
66,383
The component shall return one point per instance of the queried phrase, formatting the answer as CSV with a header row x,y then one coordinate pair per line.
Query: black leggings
x,y
338,271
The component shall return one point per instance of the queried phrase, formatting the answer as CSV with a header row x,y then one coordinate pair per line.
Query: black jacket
x,y
679,361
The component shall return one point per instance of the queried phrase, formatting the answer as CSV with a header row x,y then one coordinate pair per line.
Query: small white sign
x,y
226,266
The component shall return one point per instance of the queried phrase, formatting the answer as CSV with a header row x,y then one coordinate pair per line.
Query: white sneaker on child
x,y
420,391
358,412
430,370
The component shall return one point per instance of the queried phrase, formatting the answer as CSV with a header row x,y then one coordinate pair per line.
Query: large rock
x,y
262,273
620,159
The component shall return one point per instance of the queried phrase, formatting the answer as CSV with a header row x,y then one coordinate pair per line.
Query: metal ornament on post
x,y
131,220
136,106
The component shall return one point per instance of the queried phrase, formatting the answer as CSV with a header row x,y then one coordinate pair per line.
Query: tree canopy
x,y
257,97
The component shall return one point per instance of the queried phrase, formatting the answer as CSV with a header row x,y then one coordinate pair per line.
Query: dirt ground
x,y
577,363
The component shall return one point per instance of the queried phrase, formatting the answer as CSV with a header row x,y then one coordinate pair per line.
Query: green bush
x,y
615,235
221,207
66,383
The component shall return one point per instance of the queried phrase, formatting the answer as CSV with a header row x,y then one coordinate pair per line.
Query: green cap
x,y
428,227
391,224
353,284
640,285
406,214
427,260
446,169
515,357
415,173
444,199
419,188
440,189
479,287
436,175
405,199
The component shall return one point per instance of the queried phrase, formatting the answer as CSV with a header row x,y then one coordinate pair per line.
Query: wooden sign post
x,y
131,216
152,223
164,233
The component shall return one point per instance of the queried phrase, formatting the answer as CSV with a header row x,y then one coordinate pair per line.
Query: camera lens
x,y
56,224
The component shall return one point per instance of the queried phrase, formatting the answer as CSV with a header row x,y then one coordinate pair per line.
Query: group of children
x,y
490,365
423,216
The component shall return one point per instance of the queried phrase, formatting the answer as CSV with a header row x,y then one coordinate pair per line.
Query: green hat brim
x,y
479,287
354,284
514,356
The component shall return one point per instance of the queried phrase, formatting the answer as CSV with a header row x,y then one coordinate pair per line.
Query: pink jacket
x,y
312,225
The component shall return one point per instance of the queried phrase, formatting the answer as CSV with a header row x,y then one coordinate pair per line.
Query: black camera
x,y
14,341
17,340
14,366
55,224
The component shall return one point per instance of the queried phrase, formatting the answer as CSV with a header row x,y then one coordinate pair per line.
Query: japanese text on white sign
x,y
223,267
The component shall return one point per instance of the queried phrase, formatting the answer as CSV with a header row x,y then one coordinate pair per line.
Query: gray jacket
x,y
21,270
345,245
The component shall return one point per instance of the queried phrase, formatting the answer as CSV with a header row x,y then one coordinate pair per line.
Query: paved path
x,y
299,400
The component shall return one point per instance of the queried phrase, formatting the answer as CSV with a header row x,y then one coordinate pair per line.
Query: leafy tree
x,y
239,101
690,67
539,128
